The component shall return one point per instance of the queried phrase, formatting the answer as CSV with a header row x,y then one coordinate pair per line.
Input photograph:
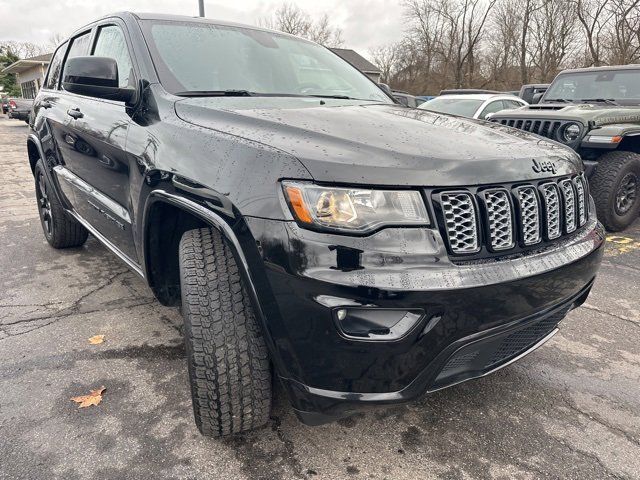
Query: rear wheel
x,y
60,230
228,361
616,189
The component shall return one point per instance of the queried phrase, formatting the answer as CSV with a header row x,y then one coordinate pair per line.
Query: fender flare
x,y
218,223
33,138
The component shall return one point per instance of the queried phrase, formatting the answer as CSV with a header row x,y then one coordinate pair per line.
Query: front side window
x,y
111,43
203,57
79,47
55,67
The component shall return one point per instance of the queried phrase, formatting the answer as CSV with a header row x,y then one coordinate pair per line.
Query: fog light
x,y
379,324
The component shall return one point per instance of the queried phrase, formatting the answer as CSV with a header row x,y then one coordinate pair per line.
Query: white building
x,y
30,73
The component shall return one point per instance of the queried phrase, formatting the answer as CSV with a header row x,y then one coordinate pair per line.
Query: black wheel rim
x,y
44,205
627,193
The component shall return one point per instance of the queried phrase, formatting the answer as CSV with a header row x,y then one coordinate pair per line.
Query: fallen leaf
x,y
96,339
94,398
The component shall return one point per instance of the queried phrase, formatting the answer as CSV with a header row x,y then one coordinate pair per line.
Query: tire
x,y
60,230
613,172
227,357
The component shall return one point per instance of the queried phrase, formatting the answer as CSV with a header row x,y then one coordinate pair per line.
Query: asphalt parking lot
x,y
569,410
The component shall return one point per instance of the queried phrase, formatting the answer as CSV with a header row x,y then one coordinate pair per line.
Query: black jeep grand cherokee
x,y
311,229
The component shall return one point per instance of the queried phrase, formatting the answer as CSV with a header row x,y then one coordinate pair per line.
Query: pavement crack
x,y
601,421
593,308
290,457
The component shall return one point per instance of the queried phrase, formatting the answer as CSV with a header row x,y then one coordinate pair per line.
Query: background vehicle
x,y
322,246
406,99
533,93
596,112
5,105
20,108
472,105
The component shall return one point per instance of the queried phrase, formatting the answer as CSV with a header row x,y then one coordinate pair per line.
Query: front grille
x,y
499,213
551,202
502,218
461,221
552,129
478,358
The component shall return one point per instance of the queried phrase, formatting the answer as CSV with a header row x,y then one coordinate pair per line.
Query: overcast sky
x,y
364,23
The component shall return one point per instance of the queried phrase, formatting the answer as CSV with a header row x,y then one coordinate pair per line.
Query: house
x,y
30,73
358,61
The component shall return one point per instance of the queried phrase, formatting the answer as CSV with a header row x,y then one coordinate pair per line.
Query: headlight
x,y
571,132
355,210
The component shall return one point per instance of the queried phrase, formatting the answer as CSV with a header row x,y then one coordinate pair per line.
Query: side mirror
x,y
386,88
537,97
95,77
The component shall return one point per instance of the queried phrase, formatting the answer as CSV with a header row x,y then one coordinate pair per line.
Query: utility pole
x,y
201,6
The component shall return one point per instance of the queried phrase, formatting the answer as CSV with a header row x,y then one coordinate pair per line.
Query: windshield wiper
x,y
216,93
559,100
608,101
339,97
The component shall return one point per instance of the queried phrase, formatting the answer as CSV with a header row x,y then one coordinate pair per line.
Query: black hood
x,y
355,142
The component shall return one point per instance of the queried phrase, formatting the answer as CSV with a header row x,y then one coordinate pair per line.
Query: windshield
x,y
202,58
622,86
465,107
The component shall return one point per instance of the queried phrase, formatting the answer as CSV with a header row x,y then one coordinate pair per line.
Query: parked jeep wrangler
x,y
595,111
281,199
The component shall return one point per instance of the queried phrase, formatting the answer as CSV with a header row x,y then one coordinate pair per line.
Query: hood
x,y
379,144
596,114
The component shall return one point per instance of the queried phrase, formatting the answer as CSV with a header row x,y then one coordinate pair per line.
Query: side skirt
x,y
128,261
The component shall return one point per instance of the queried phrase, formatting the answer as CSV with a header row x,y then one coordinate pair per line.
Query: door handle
x,y
75,113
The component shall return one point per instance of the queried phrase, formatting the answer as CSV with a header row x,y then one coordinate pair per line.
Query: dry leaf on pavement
x,y
94,398
96,339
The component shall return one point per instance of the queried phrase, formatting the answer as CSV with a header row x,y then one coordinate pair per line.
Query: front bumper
x,y
475,318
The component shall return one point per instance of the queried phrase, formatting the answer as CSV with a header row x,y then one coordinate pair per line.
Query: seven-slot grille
x,y
500,218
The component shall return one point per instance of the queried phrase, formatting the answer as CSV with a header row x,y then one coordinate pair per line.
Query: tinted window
x,y
195,57
111,43
79,47
55,67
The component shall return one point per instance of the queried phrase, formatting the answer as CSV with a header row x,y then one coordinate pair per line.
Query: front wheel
x,y
615,187
228,361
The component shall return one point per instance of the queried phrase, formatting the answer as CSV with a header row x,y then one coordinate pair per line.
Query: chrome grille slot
x,y
499,215
461,225
581,200
569,198
529,215
479,221
551,200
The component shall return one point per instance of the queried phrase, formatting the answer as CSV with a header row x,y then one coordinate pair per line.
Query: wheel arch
x,y
193,215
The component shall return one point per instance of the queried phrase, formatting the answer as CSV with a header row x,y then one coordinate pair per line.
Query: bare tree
x,y
289,18
623,42
554,38
594,17
386,59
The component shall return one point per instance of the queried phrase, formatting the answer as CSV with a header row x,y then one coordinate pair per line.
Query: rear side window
x,y
80,46
512,104
55,67
111,43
